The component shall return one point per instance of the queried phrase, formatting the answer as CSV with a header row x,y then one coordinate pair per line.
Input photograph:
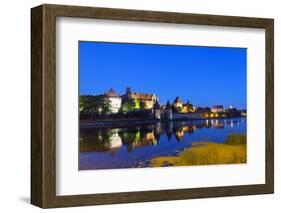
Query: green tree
x,y
179,109
95,104
81,103
143,105
136,104
127,106
105,106
86,104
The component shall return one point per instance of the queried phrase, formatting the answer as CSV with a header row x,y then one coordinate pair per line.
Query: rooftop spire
x,y
111,93
156,105
177,100
168,105
128,90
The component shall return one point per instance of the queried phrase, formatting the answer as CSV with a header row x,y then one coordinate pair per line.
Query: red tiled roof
x,y
140,96
177,100
112,93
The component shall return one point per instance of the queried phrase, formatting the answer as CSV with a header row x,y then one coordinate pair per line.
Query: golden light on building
x,y
184,109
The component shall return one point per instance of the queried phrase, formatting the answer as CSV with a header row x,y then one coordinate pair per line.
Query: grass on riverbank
x,y
208,153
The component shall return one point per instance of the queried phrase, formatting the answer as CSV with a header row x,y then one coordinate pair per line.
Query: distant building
x,y
194,115
188,107
203,109
177,103
114,100
234,112
231,110
217,109
244,112
148,99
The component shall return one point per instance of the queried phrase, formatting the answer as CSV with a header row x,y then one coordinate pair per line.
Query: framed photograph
x,y
137,106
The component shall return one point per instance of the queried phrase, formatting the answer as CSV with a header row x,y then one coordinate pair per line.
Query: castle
x,y
114,100
146,105
150,101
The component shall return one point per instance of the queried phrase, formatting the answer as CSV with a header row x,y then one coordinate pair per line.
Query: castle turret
x,y
128,90
177,103
114,100
168,111
157,110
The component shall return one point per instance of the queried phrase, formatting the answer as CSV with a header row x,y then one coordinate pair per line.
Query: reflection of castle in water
x,y
105,139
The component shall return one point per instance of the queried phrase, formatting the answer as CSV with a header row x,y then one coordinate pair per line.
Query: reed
x,y
233,151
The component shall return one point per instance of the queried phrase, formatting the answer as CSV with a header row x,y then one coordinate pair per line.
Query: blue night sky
x,y
205,75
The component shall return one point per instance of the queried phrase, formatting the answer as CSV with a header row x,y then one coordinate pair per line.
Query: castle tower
x,y
157,110
114,99
177,102
128,90
168,111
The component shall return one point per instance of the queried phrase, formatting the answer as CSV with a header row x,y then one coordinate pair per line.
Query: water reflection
x,y
133,146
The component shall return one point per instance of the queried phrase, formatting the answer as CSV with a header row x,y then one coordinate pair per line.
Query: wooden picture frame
x,y
43,105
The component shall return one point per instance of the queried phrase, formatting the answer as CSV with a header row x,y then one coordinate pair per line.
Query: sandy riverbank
x,y
207,153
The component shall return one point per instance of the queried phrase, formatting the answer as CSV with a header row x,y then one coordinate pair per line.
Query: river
x,y
136,145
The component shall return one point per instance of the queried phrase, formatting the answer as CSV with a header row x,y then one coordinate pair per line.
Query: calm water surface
x,y
135,146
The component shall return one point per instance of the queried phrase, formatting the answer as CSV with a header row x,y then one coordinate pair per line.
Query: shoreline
x,y
128,122
205,153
